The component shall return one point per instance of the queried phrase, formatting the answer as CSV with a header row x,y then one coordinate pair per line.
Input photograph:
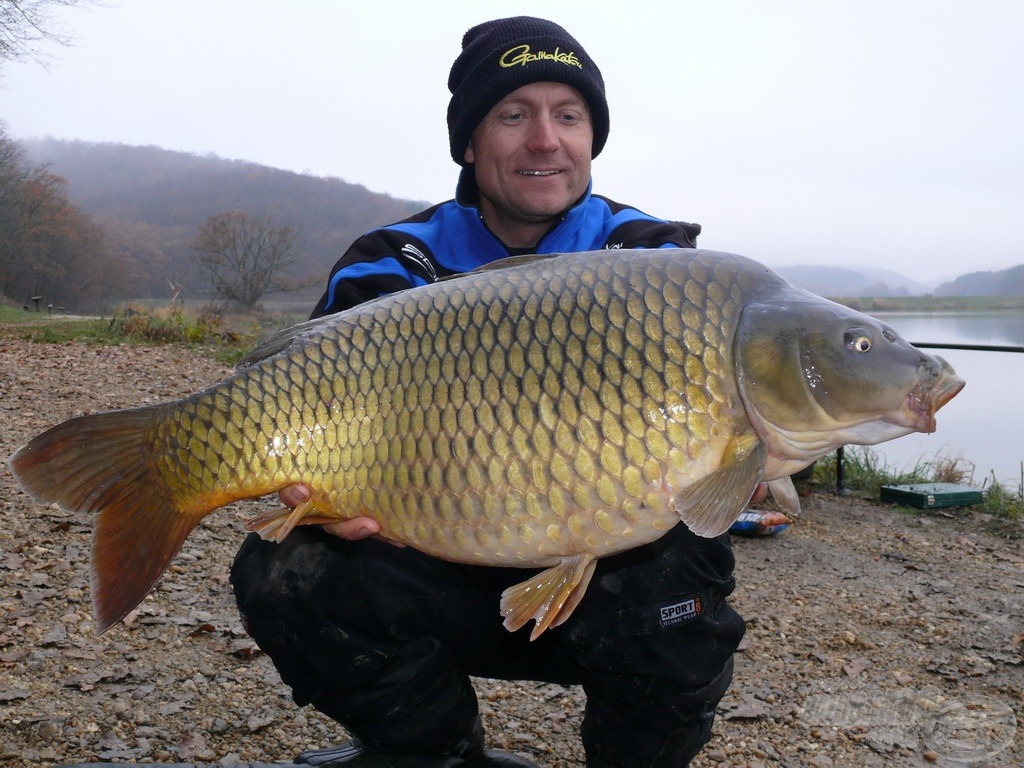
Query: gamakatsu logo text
x,y
684,611
520,56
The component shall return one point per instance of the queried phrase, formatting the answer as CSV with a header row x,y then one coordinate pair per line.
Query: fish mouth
x,y
927,397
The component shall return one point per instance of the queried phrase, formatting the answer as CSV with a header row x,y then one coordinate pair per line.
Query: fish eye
x,y
858,342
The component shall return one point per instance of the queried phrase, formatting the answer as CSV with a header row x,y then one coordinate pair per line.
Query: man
x,y
382,638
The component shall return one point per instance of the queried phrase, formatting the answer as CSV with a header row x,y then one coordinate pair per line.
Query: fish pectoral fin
x,y
785,495
712,504
550,596
277,524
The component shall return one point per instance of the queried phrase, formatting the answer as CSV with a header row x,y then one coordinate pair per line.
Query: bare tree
x,y
48,247
244,255
24,24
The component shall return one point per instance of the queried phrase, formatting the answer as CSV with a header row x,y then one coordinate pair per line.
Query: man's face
x,y
531,155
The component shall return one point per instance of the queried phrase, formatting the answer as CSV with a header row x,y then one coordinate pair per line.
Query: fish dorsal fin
x,y
506,263
278,342
712,504
785,495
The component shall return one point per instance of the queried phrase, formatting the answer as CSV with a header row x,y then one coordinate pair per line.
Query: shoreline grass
x,y
227,337
931,303
865,471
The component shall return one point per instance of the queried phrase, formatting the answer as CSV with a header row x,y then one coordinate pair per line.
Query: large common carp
x,y
542,412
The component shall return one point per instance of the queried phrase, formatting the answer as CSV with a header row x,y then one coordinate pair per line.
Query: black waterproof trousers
x,y
382,639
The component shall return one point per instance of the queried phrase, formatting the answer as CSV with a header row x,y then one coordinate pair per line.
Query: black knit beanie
x,y
502,55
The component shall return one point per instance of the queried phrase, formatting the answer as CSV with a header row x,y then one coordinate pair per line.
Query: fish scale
x,y
500,359
545,413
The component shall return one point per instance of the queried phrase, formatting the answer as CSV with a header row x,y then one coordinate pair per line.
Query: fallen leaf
x,y
257,722
194,747
56,636
856,666
202,629
749,711
12,562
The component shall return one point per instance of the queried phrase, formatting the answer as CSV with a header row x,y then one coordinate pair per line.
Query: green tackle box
x,y
932,495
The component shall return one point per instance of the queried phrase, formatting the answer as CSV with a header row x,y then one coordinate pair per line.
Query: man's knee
x,y
266,572
635,722
667,738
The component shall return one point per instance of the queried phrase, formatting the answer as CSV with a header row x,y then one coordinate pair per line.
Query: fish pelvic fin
x,y
785,495
548,597
712,504
99,464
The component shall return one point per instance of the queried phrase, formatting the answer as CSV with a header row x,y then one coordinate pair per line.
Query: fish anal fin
x,y
550,596
785,495
277,524
712,504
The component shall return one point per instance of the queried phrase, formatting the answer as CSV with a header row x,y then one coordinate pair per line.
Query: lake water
x,y
984,424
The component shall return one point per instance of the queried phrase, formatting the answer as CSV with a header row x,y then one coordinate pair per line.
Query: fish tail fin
x,y
99,464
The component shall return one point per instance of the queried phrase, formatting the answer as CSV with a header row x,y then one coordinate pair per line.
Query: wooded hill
x,y
878,283
150,202
1004,282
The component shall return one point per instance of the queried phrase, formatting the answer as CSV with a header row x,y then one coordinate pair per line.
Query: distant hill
x,y
151,202
848,282
1005,282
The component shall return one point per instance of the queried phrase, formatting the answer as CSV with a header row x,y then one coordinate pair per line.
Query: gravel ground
x,y
877,636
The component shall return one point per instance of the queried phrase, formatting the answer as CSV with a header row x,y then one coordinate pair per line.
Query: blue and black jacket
x,y
451,238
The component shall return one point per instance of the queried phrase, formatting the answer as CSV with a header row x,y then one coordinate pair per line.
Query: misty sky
x,y
887,133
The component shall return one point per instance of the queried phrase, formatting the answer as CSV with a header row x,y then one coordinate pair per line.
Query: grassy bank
x,y
228,337
932,303
865,472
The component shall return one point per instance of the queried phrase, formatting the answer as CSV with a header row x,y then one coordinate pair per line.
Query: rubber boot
x,y
468,754
356,755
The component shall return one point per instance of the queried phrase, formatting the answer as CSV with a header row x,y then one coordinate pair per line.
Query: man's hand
x,y
355,529
760,493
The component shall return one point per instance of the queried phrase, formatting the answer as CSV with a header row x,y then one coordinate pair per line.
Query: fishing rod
x,y
973,347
